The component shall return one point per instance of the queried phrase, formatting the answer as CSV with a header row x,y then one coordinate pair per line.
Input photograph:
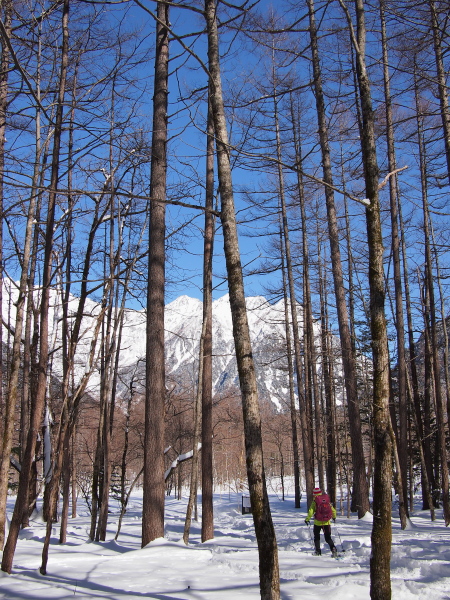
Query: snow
x,y
183,319
225,568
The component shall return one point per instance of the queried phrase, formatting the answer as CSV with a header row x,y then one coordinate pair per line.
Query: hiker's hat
x,y
317,491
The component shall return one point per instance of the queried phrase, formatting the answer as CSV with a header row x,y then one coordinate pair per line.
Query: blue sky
x,y
246,73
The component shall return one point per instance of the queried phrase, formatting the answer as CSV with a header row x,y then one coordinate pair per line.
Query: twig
x,y
386,179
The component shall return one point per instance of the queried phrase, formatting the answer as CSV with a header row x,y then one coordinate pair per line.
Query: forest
x,y
298,151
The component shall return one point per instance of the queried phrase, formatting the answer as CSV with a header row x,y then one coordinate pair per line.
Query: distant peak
x,y
184,301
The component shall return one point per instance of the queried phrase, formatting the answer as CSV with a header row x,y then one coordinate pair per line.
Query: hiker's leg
x,y
328,538
317,529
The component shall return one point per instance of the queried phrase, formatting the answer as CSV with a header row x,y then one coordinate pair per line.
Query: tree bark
x,y
402,439
207,428
439,403
37,409
264,529
306,424
441,80
292,405
154,485
327,361
360,491
12,394
380,582
197,417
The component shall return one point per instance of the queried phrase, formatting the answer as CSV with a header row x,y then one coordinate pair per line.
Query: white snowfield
x,y
225,568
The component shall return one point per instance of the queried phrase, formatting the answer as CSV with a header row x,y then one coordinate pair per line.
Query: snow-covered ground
x,y
227,567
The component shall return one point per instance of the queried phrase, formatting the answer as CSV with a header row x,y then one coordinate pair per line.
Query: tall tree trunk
x,y
436,369
39,401
402,440
12,394
197,418
32,323
154,485
440,419
326,360
441,78
207,427
444,323
360,491
380,582
426,491
65,489
292,405
67,370
262,518
310,350
309,326
305,417
96,467
73,473
31,334
414,382
428,430
108,354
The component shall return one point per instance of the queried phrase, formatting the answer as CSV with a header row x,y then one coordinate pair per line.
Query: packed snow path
x,y
225,568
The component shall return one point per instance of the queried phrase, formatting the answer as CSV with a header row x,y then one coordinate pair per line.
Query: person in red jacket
x,y
323,512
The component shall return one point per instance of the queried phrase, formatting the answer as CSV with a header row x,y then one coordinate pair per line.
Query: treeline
x,y
318,131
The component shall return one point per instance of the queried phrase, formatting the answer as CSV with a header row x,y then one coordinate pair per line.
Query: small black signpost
x,y
246,505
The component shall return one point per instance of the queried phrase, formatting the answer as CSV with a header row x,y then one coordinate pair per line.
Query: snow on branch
x,y
389,175
179,459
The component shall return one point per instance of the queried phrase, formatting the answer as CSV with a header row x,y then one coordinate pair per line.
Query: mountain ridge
x,y
183,321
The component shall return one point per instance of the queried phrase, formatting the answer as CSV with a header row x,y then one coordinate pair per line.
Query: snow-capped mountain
x,y
266,322
183,320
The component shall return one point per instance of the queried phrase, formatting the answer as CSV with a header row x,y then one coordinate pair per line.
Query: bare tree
x,y
154,487
360,491
207,428
436,369
264,529
37,409
441,79
11,399
380,583
402,439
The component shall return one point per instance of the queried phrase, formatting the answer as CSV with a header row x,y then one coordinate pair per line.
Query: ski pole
x,y
339,536
310,536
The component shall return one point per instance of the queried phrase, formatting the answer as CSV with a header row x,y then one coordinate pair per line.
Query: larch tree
x,y
439,53
21,504
154,485
262,518
348,359
305,418
402,438
11,399
207,426
380,582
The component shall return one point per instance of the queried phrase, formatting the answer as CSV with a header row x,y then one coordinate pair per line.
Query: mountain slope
x,y
183,319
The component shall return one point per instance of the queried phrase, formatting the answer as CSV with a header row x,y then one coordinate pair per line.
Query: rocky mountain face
x,y
183,321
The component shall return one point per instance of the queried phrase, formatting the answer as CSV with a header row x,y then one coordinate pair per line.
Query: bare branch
x,y
386,179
